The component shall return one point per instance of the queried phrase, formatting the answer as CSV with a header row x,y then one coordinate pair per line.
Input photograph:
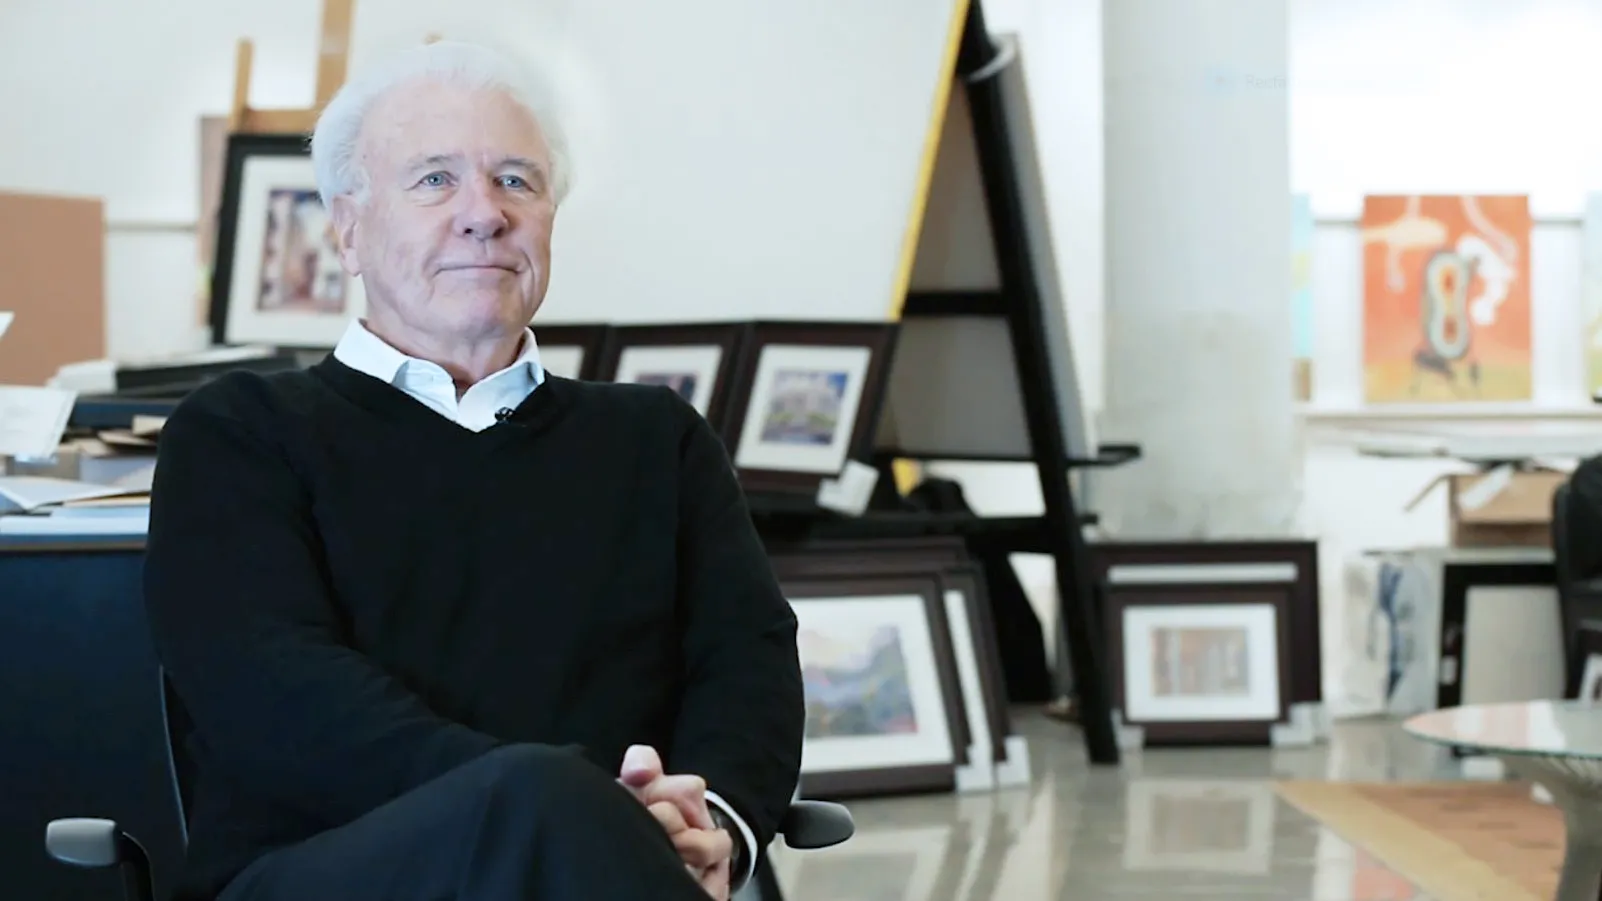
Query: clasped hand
x,y
679,804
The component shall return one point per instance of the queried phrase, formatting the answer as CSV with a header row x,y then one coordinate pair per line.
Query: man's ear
x,y
345,222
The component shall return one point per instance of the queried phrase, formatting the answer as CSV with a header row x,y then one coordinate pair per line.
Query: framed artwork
x,y
1197,664
571,351
1290,563
975,650
1199,826
277,279
805,401
884,707
1302,233
696,360
1446,299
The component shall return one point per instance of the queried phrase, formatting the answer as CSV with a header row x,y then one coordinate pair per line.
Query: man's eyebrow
x,y
523,162
433,159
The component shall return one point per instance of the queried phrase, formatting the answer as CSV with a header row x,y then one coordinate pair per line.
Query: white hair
x,y
339,127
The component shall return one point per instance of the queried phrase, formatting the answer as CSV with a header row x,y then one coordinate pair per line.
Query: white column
x,y
1198,352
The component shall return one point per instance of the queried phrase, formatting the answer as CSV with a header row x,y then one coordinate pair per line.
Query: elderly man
x,y
438,617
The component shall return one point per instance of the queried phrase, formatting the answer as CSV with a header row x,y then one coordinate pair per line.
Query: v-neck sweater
x,y
352,595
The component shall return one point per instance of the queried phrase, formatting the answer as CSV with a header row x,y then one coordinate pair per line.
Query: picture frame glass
x,y
1201,663
690,370
803,408
287,286
872,683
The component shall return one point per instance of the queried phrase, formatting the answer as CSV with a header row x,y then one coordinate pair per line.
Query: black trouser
x,y
523,823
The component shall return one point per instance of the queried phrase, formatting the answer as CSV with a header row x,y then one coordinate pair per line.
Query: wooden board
x,y
52,267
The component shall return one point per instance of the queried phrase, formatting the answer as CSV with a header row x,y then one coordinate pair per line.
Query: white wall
x,y
735,159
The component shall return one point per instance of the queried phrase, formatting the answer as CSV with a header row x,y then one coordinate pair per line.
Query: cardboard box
x,y
52,275
1502,507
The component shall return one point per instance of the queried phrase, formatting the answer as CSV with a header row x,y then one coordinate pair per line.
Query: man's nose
x,y
481,216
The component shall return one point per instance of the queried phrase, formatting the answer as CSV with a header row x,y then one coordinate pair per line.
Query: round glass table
x,y
1556,744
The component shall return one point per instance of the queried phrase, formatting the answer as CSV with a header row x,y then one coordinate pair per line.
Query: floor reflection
x,y
1200,823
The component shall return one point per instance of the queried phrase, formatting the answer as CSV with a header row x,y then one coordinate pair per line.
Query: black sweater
x,y
352,595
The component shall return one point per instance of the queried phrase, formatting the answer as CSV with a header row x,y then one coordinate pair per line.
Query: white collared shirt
x,y
429,383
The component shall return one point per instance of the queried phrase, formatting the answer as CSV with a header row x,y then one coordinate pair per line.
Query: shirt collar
x,y
367,353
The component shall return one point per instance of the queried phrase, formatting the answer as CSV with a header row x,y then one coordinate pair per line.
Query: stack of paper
x,y
36,505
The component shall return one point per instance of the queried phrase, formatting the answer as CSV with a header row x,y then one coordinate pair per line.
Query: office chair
x,y
99,843
1577,559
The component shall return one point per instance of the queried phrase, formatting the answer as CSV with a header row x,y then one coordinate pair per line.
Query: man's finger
x,y
715,881
667,813
688,793
702,848
641,766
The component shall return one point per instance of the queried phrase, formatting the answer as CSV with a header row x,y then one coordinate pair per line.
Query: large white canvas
x,y
707,138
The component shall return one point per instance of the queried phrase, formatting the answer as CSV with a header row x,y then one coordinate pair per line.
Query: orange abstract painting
x,y
1446,299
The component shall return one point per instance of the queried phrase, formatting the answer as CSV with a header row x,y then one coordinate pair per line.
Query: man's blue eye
x,y
514,181
434,180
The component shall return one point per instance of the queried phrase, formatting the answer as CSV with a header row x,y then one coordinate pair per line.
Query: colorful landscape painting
x,y
856,683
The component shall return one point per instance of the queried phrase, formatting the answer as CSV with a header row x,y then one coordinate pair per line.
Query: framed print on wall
x,y
884,708
277,279
571,351
696,360
807,397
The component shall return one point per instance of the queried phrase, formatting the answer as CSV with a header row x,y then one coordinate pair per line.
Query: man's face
x,y
453,241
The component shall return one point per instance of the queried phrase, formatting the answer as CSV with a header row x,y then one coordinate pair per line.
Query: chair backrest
x,y
1561,559
179,767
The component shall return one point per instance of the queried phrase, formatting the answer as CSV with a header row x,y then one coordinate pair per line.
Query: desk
x,y
81,712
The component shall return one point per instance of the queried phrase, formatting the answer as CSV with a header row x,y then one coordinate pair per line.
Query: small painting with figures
x,y
804,407
1200,662
300,268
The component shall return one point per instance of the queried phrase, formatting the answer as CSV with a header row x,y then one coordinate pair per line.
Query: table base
x,y
1576,789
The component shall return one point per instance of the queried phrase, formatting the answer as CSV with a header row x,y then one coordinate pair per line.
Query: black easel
x,y
1019,301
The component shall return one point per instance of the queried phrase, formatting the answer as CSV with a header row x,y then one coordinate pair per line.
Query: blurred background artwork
x,y
1446,299
1302,294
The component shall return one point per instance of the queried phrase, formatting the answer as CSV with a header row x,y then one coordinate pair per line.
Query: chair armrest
x,y
97,844
816,824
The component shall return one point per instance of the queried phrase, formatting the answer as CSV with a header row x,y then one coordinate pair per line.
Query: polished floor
x,y
1198,824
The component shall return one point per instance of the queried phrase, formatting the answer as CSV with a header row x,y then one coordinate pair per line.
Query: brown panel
x,y
52,275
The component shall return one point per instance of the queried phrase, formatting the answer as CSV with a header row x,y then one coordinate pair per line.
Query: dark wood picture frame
x,y
730,337
877,337
947,560
868,781
1307,676
592,339
240,148
1119,599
